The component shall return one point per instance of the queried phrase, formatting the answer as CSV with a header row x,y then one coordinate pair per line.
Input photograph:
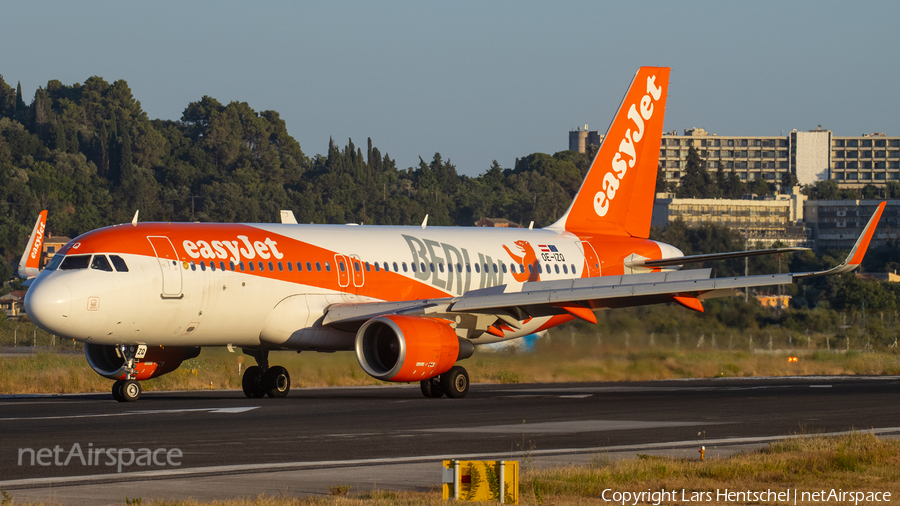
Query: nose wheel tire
x,y
432,387
455,382
117,390
126,390
251,382
276,382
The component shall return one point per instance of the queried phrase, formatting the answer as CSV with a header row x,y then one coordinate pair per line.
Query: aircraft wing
x,y
579,297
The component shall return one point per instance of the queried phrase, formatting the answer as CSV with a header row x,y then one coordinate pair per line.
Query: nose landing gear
x,y
129,389
261,380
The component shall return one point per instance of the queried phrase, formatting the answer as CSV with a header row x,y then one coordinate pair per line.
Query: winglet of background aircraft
x,y
29,265
857,253
287,217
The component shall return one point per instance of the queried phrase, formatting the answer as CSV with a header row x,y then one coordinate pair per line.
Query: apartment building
x,y
763,222
815,155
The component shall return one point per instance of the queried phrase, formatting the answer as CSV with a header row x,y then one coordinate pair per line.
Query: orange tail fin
x,y
31,257
616,197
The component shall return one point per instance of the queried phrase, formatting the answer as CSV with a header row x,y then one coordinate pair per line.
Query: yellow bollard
x,y
702,452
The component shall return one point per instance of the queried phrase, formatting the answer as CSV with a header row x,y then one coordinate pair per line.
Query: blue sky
x,y
475,80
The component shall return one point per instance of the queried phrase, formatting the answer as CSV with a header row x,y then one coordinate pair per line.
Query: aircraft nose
x,y
48,303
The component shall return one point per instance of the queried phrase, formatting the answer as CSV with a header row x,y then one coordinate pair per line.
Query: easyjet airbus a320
x,y
410,301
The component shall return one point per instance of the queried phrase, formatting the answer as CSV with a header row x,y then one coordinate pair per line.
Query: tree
x,y
696,181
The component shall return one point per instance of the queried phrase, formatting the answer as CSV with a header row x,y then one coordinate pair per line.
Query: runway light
x,y
792,359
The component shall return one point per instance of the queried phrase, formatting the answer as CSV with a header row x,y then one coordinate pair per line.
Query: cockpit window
x,y
54,262
119,263
101,263
74,262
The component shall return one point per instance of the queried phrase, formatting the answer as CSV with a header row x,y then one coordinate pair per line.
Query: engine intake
x,y
108,363
409,348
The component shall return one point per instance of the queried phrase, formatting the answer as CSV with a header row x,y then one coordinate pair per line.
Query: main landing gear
x,y
261,380
454,383
128,389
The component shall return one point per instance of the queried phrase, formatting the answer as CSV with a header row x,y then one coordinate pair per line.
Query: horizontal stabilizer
x,y
667,262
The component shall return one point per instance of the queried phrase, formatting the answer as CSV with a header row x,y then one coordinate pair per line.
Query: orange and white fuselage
x,y
267,285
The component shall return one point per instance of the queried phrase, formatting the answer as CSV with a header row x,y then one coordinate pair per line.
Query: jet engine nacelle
x,y
409,348
106,360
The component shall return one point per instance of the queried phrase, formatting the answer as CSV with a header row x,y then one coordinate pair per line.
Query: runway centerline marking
x,y
568,427
138,412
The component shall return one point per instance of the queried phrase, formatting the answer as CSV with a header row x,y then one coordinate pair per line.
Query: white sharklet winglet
x,y
857,253
134,221
287,217
666,262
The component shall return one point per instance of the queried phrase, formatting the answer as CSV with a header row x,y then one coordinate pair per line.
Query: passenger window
x,y
477,269
521,268
412,265
386,267
299,267
290,266
441,267
241,265
458,268
193,266
118,263
395,267
212,266
327,267
468,268
100,263
432,267
422,265
252,267
404,266
262,266
318,267
222,266
75,262
203,266
504,267
573,268
356,266
565,269
495,267
309,266
341,266
272,267
530,269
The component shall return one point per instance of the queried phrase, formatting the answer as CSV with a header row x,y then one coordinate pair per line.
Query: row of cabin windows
x,y
513,268
102,263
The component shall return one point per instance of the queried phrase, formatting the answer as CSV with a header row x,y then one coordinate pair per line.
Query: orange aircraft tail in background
x,y
29,264
616,197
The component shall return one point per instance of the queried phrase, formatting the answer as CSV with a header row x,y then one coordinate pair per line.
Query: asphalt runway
x,y
365,432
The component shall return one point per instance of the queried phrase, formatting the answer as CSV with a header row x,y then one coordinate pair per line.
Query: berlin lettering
x,y
448,267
